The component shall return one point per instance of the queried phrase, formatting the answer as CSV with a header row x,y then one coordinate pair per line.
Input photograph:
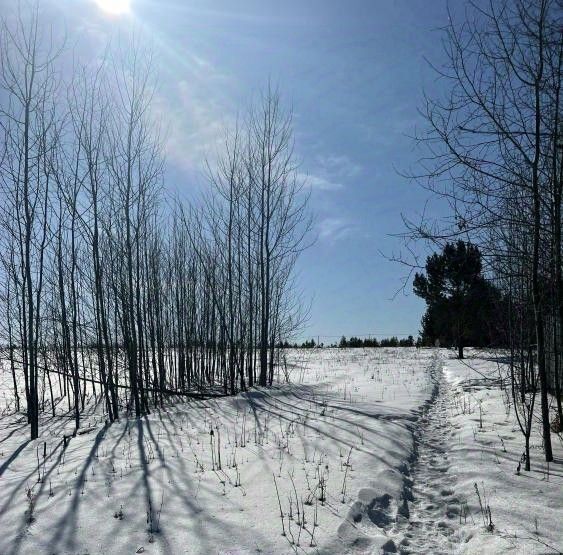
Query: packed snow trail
x,y
433,504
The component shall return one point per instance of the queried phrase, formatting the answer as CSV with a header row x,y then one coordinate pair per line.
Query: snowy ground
x,y
380,449
483,446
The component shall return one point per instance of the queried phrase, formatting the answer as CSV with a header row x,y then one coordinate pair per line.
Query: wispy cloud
x,y
195,110
338,165
335,229
330,172
194,123
319,183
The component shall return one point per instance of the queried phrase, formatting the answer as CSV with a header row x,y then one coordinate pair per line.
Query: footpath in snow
x,y
430,524
467,495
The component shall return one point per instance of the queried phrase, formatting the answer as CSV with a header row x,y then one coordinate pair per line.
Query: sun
x,y
114,7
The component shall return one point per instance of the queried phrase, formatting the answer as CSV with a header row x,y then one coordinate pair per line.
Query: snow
x,y
484,449
386,434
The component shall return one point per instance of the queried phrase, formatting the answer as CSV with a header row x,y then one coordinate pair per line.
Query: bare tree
x,y
492,144
28,82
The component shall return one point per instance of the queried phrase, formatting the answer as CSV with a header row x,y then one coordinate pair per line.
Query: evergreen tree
x,y
460,302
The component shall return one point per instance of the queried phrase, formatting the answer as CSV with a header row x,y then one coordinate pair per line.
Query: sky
x,y
353,73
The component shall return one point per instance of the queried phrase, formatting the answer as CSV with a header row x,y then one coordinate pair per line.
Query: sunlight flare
x,y
114,7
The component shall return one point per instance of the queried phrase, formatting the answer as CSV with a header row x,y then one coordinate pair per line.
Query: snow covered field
x,y
365,451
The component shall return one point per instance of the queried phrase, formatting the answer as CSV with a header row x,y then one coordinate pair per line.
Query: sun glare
x,y
115,7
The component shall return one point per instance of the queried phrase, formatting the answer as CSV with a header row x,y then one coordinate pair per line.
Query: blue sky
x,y
353,72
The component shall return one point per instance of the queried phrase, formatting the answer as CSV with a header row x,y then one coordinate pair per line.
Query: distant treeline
x,y
354,342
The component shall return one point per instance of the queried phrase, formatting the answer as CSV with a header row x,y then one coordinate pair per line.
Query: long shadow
x,y
28,476
13,457
198,517
112,455
67,522
187,501
275,411
140,425
25,524
291,408
13,431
